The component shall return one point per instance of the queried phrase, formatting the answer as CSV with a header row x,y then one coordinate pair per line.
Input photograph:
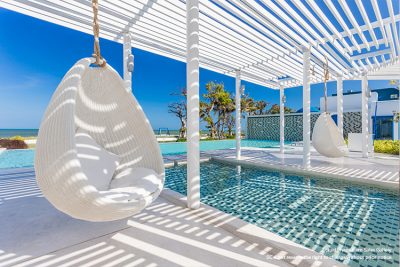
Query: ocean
x,y
21,132
33,132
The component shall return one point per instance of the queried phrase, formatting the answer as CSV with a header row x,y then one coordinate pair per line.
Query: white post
x,y
192,80
339,98
396,135
237,115
282,119
127,51
306,109
364,115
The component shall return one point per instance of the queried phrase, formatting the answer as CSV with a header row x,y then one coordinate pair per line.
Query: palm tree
x,y
207,107
224,105
205,115
260,106
247,105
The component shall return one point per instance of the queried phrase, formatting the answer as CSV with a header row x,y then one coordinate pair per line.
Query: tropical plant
x,y
13,144
396,83
275,109
396,117
17,137
223,109
387,146
247,105
179,109
260,106
230,124
215,108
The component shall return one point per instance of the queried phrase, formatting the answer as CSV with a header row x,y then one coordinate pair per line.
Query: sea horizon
x,y
28,132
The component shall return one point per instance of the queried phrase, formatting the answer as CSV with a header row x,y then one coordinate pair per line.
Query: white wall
x,y
352,102
386,108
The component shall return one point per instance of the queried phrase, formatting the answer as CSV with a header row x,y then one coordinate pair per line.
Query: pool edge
x,y
299,171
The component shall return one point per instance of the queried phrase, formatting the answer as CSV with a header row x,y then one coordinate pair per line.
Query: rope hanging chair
x,y
326,137
97,158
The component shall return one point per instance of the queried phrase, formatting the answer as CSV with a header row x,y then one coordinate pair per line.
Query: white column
x,y
238,114
306,109
192,80
282,119
364,115
339,98
127,51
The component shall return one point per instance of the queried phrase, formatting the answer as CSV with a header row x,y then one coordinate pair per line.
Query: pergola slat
x,y
263,39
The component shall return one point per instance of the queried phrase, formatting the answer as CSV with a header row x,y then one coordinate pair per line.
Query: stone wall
x,y
266,127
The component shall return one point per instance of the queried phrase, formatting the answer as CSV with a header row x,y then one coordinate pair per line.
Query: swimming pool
x,y
180,147
17,158
24,158
355,224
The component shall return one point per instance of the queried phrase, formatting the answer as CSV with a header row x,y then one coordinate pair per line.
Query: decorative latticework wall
x,y
266,127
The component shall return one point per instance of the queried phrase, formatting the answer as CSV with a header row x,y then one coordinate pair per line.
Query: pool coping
x,y
395,185
292,253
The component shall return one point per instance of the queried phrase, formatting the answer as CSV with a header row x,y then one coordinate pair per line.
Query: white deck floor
x,y
33,233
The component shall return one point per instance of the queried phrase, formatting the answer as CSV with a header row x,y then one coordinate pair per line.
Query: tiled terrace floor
x,y
33,233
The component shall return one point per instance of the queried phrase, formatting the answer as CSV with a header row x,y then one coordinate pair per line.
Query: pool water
x,y
355,224
24,158
17,158
180,147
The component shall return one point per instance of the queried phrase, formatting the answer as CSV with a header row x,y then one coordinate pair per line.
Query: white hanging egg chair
x,y
97,157
326,137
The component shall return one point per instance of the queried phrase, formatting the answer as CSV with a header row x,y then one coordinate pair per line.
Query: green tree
x,y
275,109
247,105
206,115
207,107
230,123
224,107
396,83
260,106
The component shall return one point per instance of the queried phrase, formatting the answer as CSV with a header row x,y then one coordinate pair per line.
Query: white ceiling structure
x,y
263,39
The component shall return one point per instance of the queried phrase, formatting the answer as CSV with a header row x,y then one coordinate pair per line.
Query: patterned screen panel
x,y
266,127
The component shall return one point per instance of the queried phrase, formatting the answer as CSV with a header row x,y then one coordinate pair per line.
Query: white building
x,y
383,104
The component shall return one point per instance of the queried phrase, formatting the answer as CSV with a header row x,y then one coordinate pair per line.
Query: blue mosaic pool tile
x,y
321,214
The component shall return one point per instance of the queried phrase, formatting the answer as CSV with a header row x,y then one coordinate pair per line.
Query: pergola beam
x,y
371,54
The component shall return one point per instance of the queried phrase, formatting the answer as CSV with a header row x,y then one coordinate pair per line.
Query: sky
x,y
35,55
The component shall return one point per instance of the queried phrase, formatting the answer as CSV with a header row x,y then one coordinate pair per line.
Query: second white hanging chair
x,y
326,137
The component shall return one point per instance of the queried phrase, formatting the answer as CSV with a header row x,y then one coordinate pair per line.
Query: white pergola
x,y
277,44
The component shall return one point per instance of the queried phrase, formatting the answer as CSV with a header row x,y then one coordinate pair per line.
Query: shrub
x,y
17,137
13,144
387,146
